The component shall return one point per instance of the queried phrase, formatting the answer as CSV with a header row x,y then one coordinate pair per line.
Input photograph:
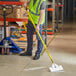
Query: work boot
x,y
26,54
36,57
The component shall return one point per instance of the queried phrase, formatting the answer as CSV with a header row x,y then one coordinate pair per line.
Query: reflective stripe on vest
x,y
36,10
38,6
34,13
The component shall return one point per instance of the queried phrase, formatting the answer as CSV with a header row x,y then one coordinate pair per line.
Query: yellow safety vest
x,y
34,11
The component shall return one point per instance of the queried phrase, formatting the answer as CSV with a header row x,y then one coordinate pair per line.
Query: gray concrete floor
x,y
62,49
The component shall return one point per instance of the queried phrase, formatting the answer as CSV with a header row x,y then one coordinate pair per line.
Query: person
x,y
37,12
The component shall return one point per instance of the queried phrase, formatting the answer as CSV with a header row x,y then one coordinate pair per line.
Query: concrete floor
x,y
62,49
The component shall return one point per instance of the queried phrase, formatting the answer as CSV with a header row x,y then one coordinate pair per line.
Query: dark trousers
x,y
30,32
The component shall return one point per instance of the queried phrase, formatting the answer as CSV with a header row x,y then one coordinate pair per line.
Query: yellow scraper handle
x,y
41,38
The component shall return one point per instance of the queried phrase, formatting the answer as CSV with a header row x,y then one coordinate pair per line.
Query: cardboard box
x,y
2,23
8,31
18,12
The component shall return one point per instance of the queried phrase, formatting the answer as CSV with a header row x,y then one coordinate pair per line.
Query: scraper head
x,y
56,68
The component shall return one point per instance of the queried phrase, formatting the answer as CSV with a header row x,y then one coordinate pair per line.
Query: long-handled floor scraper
x,y
55,67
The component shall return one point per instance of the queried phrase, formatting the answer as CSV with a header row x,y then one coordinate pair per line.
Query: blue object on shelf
x,y
14,36
12,29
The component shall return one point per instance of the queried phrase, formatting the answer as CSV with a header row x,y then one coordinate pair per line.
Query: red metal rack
x,y
11,3
14,19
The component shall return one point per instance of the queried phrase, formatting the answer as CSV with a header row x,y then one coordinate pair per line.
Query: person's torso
x,y
34,6
34,9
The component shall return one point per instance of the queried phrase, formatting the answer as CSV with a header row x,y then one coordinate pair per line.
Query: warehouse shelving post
x,y
1,33
57,15
62,13
45,27
53,16
59,22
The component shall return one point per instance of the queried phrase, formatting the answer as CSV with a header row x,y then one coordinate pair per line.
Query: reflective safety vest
x,y
34,11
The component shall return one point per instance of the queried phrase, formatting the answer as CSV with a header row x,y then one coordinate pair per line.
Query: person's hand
x,y
37,28
25,14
